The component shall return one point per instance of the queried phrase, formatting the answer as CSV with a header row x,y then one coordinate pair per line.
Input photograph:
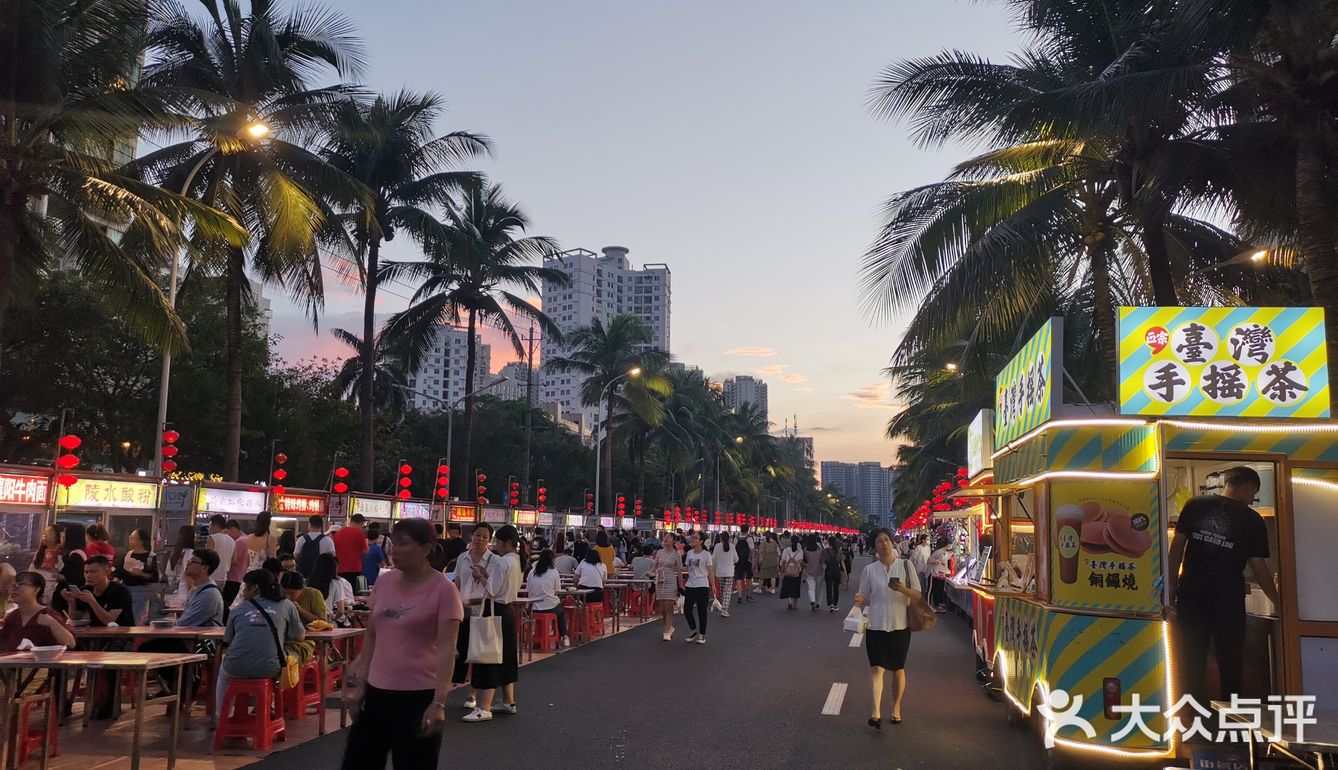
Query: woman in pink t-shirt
x,y
397,687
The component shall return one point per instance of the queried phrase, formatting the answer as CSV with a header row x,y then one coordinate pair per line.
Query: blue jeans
x,y
561,618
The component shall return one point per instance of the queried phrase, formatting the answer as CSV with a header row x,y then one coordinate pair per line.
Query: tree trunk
x,y
1159,261
232,443
469,397
9,236
607,459
1103,312
367,381
1316,234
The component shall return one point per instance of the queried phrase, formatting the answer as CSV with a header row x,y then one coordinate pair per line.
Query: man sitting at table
x,y
204,605
102,603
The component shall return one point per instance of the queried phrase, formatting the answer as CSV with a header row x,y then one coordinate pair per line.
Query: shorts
x,y
743,571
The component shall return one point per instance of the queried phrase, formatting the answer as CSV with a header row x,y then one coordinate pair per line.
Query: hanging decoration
x,y
443,481
340,486
406,470
68,461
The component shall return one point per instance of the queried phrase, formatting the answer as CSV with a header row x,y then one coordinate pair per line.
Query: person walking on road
x,y
887,587
665,571
697,588
743,567
768,569
833,572
476,560
503,588
397,687
813,569
792,571
724,558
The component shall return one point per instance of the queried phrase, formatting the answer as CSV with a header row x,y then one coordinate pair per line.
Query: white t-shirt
x,y
340,592
504,578
590,575
920,557
938,563
887,608
326,544
222,544
543,589
699,569
565,564
724,560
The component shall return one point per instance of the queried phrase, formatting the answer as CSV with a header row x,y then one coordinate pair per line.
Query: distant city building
x,y
746,390
806,444
868,482
442,373
601,286
516,374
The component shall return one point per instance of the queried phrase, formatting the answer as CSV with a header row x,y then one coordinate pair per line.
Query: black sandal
x,y
876,722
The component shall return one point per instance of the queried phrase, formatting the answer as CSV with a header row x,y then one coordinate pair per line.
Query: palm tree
x,y
466,276
605,355
67,98
388,372
389,146
247,76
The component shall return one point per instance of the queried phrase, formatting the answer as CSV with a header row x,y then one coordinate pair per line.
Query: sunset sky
x,y
730,140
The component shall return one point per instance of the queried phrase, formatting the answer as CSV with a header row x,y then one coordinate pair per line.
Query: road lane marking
x,y
855,639
835,698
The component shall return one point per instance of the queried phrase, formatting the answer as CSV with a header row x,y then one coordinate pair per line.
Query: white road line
x,y
835,698
856,639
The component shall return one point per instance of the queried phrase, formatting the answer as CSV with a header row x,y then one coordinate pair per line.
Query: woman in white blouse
x,y
503,587
887,587
590,574
542,586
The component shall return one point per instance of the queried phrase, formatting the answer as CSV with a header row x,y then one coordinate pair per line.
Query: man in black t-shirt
x,y
101,601
1217,535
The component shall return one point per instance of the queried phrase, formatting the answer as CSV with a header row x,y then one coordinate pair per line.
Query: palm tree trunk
x,y
366,384
1159,260
232,442
1316,234
469,397
607,459
1103,312
10,215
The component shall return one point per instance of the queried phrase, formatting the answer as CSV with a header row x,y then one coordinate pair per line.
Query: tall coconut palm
x,y
389,146
605,355
249,76
388,372
68,96
468,275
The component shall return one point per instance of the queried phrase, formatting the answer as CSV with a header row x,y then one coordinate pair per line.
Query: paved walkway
x,y
751,697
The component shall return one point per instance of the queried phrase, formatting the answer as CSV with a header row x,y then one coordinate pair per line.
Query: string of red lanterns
x,y
67,460
482,490
443,481
542,498
406,481
170,450
340,486
276,485
939,502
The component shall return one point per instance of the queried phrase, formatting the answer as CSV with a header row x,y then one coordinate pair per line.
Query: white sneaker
x,y
692,637
667,637
757,590
724,613
471,703
477,715
505,708
566,641
701,640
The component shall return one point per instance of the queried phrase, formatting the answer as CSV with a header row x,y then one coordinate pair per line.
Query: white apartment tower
x,y
746,390
601,286
442,373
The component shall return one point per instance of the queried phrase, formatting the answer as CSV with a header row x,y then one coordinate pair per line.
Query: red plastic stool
x,y
637,606
247,707
29,738
546,631
594,619
306,695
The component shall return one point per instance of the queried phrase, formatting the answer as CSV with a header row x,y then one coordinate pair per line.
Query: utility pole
x,y
529,417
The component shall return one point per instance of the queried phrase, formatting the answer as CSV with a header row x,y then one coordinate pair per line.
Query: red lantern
x,y
170,437
443,481
482,477
404,494
67,480
406,469
441,492
281,458
340,488
70,442
67,461
341,472
482,491
406,483
279,490
442,470
170,451
280,474
169,466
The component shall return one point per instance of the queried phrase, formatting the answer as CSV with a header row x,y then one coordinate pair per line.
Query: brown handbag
x,y
919,615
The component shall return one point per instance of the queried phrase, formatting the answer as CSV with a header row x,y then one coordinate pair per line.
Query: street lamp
x,y
450,408
256,129
634,372
1256,256
951,366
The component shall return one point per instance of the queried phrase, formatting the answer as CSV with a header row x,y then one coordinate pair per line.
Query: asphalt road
x,y
751,697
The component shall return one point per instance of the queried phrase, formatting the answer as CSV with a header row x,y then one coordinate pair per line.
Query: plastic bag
x,y
855,622
716,606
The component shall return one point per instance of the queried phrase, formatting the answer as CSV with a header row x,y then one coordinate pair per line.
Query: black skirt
x,y
887,649
490,677
790,587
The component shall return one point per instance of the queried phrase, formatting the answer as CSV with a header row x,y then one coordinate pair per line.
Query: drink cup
x,y
1068,539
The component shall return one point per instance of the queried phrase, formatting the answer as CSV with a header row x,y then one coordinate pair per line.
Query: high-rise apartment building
x,y
516,374
441,377
601,286
868,482
746,390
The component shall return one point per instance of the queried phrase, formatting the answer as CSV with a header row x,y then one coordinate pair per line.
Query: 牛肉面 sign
x,y
23,490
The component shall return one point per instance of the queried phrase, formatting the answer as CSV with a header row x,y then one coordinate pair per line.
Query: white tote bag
x,y
485,636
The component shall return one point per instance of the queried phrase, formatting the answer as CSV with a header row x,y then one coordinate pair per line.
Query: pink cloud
x,y
751,352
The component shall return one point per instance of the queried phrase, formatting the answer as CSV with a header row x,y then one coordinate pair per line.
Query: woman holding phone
x,y
887,587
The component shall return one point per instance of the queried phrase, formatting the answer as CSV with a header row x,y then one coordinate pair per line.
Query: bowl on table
x,y
48,654
83,623
161,623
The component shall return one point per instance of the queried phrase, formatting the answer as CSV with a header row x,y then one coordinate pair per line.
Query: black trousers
x,y
1216,618
389,723
833,591
698,599
230,590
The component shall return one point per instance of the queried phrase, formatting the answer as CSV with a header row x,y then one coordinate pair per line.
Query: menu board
x,y
1105,545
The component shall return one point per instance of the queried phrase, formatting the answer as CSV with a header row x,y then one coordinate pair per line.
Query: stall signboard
x,y
291,504
409,509
646,525
1105,545
462,514
1028,392
524,518
370,507
337,509
494,515
234,501
980,443
628,522
23,490
545,518
575,520
176,498
1224,362
606,521
108,493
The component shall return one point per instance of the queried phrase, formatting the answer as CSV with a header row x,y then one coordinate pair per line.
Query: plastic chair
x,y
594,619
26,739
306,695
252,710
545,631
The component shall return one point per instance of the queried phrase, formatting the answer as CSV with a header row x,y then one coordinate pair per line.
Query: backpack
x,y
311,549
744,550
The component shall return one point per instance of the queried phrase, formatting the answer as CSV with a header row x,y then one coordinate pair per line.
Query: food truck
x,y
1087,503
